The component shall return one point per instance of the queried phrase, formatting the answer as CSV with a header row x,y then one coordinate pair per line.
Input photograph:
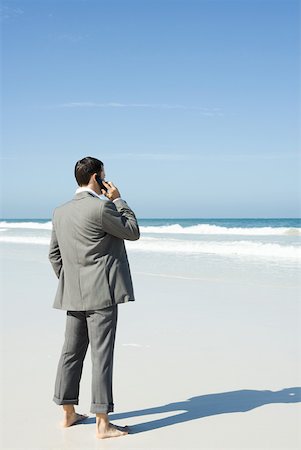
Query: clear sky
x,y
192,105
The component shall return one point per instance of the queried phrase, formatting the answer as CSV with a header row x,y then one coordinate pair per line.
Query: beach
x,y
207,357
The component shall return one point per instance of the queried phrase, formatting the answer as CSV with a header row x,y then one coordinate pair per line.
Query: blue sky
x,y
192,105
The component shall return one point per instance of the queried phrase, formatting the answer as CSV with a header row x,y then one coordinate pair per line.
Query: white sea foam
x,y
215,229
179,229
178,246
247,248
28,225
25,240
173,245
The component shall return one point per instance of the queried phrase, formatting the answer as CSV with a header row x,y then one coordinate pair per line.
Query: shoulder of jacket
x,y
62,205
60,208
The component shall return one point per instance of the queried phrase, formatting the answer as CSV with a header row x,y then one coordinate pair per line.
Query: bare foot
x,y
111,431
72,419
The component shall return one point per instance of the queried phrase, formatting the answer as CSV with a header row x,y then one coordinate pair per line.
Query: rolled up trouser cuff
x,y
58,401
101,408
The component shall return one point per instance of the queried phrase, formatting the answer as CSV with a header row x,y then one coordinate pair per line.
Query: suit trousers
x,y
97,327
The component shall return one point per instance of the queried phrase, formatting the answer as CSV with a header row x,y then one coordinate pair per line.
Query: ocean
x,y
277,238
193,247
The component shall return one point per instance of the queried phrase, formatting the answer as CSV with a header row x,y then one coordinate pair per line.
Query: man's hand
x,y
112,192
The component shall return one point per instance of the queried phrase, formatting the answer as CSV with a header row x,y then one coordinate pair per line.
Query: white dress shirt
x,y
84,188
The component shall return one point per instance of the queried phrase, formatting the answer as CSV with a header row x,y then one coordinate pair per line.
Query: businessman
x,y
89,258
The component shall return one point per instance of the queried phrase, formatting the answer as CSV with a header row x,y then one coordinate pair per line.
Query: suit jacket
x,y
88,254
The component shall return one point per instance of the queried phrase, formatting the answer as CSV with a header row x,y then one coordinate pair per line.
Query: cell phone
x,y
99,181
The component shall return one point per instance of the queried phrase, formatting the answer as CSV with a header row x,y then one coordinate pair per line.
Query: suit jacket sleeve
x,y
119,220
54,255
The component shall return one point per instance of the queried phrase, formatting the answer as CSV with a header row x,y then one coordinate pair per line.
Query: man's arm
x,y
54,255
119,220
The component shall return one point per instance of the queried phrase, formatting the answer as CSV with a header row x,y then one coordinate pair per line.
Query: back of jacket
x,y
88,254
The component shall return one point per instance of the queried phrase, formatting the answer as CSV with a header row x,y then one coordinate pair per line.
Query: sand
x,y
207,363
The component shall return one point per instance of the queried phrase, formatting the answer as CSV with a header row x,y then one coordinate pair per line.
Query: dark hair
x,y
85,167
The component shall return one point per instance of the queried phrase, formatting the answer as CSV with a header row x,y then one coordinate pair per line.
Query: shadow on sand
x,y
207,405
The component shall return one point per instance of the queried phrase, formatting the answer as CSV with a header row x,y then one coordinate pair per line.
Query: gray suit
x,y
88,255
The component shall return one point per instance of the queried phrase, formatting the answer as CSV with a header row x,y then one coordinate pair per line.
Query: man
x,y
88,255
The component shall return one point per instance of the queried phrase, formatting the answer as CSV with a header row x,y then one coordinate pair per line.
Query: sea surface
x,y
192,247
279,238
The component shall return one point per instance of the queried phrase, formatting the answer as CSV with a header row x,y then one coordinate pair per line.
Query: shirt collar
x,y
83,188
